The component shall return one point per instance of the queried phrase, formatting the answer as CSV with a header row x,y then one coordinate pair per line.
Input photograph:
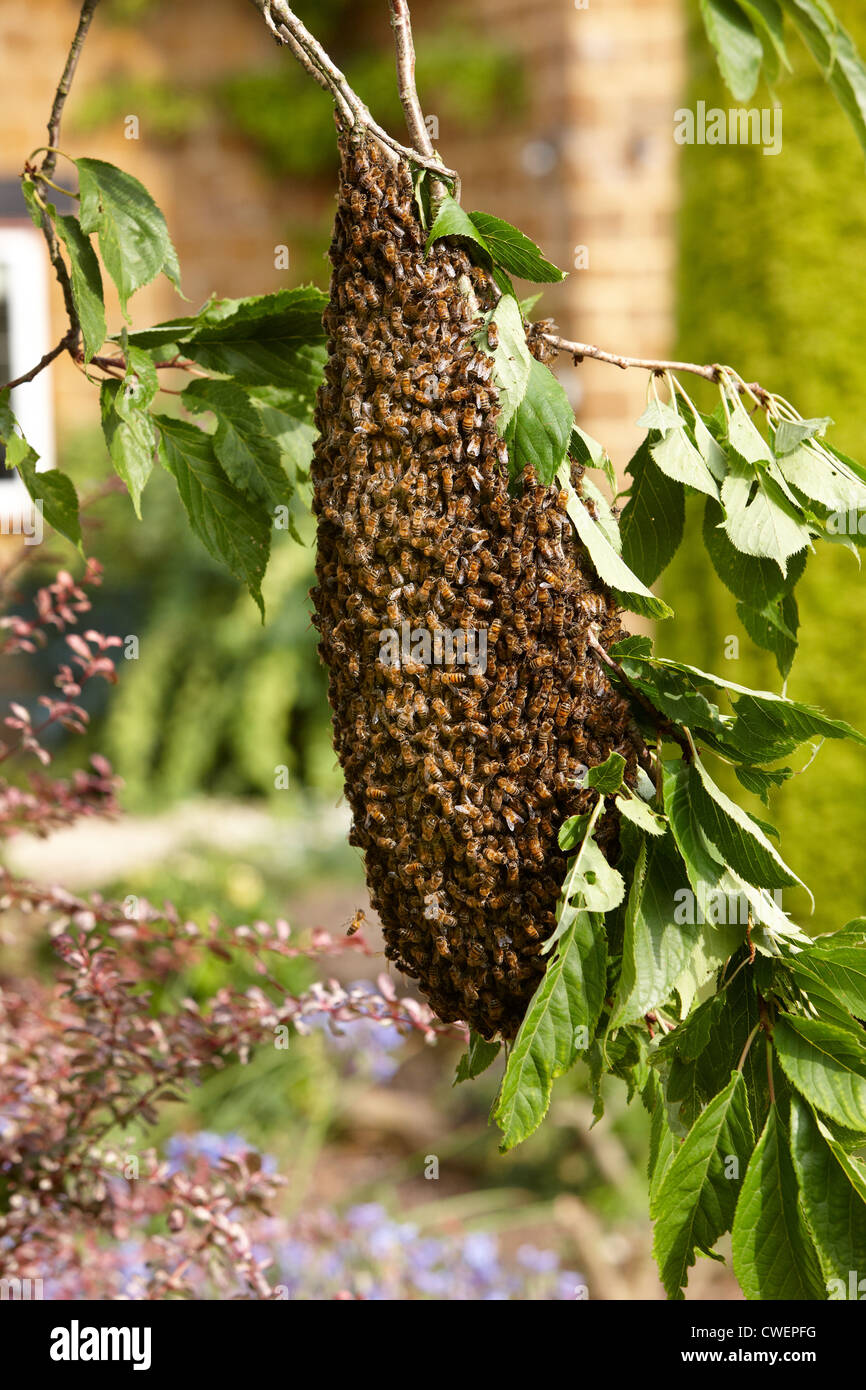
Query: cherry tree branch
x,y
64,86
288,29
401,23
65,343
713,372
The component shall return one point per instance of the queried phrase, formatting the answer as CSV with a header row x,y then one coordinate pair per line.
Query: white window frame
x,y
22,250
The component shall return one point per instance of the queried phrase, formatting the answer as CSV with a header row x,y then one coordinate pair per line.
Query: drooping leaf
x,y
774,1256
833,1193
653,519
130,438
655,948
250,457
233,527
86,279
52,491
512,360
759,519
568,999
836,55
611,568
752,580
479,1056
738,49
696,1201
542,424
132,232
826,1064
679,459
514,251
453,220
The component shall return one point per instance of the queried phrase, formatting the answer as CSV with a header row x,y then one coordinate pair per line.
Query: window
x,y
25,336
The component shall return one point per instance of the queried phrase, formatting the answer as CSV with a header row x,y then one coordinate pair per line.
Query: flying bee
x,y
358,920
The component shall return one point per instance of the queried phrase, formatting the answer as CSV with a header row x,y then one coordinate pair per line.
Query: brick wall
x,y
591,163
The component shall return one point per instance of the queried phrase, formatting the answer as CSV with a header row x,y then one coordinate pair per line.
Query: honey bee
x,y
357,922
493,334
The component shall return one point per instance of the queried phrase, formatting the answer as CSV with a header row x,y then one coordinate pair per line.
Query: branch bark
x,y
713,372
288,29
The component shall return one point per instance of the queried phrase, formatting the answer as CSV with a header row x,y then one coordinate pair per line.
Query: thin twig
x,y
41,364
49,163
289,30
713,372
402,25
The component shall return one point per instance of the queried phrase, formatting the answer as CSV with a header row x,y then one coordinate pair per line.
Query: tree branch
x,y
64,86
713,372
401,23
661,721
62,346
289,30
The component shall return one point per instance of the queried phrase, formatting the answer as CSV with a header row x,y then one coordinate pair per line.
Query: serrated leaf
x,y
235,529
833,1193
636,810
590,884
768,23
790,434
251,458
738,837
50,489
568,999
837,57
611,568
759,520
604,517
86,279
512,359
478,1057
696,1201
133,237
655,948
678,458
752,580
651,526
818,475
774,1257
453,220
606,777
514,251
738,49
130,438
826,1064
542,424
774,628
661,417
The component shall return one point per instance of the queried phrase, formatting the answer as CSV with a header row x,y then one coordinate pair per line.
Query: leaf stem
x,y
749,1040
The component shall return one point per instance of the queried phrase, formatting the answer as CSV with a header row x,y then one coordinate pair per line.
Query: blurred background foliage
x,y
771,281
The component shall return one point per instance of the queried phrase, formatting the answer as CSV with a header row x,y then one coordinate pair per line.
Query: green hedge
x,y
771,280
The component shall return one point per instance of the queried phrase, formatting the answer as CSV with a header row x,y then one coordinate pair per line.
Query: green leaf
x,y
768,22
86,280
130,438
50,489
514,251
833,1195
636,810
736,835
606,777
140,383
754,581
235,529
568,999
512,360
591,454
661,417
765,724
603,515
696,1201
251,458
823,478
774,628
826,1064
656,948
273,340
842,969
678,459
836,55
759,520
744,436
133,236
790,434
774,1257
453,220
542,424
479,1056
653,521
590,883
738,49
611,568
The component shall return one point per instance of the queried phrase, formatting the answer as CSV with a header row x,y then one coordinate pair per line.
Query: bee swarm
x,y
457,781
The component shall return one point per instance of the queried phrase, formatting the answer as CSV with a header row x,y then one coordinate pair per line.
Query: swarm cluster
x,y
457,781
